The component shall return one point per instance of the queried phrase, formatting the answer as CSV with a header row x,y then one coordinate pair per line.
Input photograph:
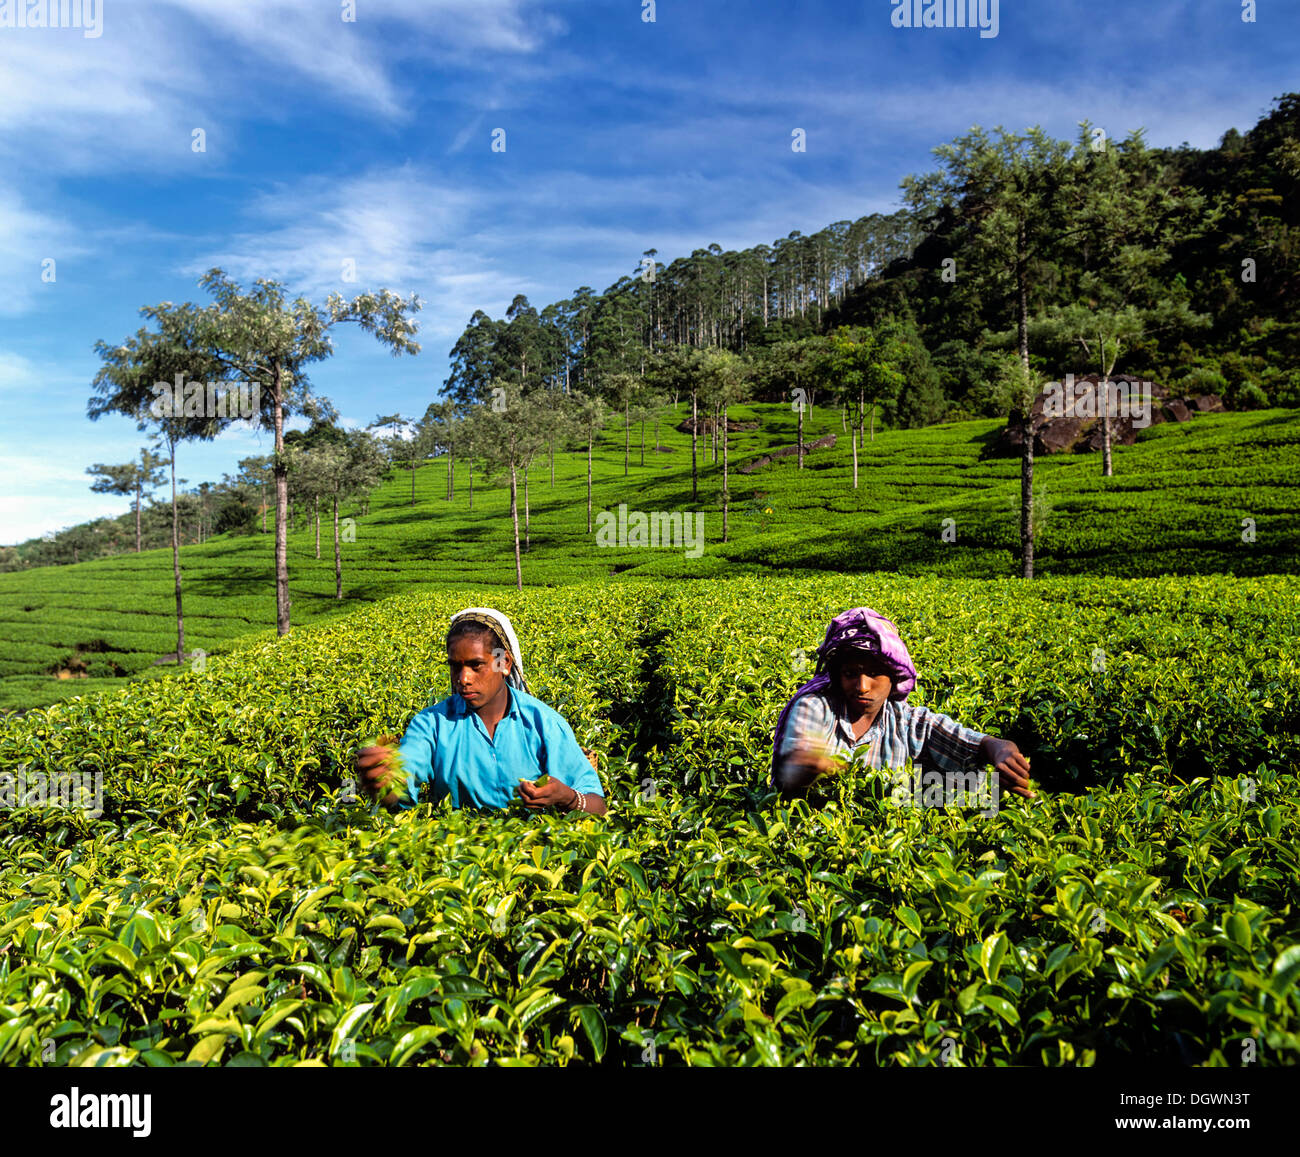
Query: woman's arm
x,y
796,771
588,802
804,754
572,772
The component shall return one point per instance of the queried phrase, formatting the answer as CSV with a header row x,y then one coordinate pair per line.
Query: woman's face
x,y
474,674
864,683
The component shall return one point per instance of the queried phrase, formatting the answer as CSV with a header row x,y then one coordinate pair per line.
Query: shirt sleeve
x,y
938,742
810,721
416,752
564,758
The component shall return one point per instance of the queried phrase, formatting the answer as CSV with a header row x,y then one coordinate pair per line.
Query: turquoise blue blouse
x,y
447,746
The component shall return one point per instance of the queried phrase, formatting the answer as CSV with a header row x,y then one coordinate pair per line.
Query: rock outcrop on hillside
x,y
1066,419
707,424
787,451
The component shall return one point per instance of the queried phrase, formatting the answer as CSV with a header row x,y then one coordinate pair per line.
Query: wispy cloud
x,y
16,372
465,135
76,105
29,238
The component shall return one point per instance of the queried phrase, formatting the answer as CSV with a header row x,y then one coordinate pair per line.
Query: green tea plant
x,y
236,904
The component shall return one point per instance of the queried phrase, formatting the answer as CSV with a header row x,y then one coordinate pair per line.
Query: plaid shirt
x,y
900,732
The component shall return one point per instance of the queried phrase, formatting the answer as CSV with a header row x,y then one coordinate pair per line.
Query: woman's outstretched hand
x,y
377,772
803,766
1011,764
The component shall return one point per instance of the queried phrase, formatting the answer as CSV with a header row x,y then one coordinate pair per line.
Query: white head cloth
x,y
501,625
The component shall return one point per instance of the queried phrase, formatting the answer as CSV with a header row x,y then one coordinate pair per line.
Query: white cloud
x,y
474,246
71,105
131,98
466,135
17,372
39,493
314,40
28,237
380,221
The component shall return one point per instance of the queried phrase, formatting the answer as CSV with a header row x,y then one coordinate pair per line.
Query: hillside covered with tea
x,y
234,904
1176,504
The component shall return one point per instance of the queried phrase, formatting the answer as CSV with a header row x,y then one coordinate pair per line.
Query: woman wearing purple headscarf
x,y
857,700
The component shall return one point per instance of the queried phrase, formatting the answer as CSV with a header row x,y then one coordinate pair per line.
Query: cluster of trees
x,y
245,339
1021,259
507,422
1177,265
233,505
1193,254
730,300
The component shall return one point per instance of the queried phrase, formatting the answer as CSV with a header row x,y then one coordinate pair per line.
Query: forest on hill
x,y
1178,265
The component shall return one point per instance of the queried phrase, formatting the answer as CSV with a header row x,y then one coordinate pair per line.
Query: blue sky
x,y
370,140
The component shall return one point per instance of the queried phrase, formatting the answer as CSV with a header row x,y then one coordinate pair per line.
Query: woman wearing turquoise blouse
x,y
485,743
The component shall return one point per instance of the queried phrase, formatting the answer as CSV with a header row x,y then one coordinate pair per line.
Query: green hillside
x,y
1174,505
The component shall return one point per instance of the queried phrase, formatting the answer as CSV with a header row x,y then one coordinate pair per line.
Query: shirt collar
x,y
842,718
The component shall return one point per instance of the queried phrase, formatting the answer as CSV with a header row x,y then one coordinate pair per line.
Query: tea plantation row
x,y
232,907
1176,504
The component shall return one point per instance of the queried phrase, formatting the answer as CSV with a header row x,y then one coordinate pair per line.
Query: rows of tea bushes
x,y
268,731
1173,676
1175,505
233,906
1157,924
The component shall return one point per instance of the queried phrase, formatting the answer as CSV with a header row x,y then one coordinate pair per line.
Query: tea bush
x,y
233,907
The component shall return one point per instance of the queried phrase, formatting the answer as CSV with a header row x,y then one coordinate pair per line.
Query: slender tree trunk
x,y
873,419
552,449
1022,296
589,441
627,440
413,483
176,564
855,457
338,554
315,505
281,512
263,507
726,494
695,435
1027,461
471,483
642,441
1027,505
514,518
139,498
450,457
800,435
1105,427
844,420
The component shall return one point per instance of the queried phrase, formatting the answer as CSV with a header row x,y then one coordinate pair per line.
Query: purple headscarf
x,y
859,629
